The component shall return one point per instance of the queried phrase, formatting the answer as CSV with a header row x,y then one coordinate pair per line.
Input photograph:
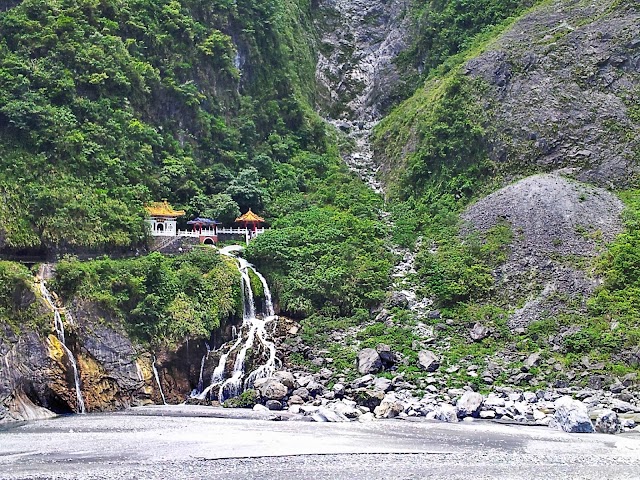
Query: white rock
x,y
366,417
571,416
325,415
469,404
444,413
493,401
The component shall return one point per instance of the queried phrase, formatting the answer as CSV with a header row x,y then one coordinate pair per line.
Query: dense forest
x,y
107,105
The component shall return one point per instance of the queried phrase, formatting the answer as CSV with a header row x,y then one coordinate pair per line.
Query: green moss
x,y
246,399
256,285
161,300
19,308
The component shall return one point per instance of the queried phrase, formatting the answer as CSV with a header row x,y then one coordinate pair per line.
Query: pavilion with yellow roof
x,y
162,219
251,222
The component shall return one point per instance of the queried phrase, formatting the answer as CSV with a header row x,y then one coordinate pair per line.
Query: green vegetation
x,y
107,105
159,299
462,271
444,28
18,307
246,399
615,307
324,260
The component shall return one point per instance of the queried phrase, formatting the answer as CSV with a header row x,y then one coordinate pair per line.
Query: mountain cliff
x,y
453,176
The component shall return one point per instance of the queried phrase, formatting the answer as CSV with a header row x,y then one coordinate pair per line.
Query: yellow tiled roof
x,y
250,217
163,209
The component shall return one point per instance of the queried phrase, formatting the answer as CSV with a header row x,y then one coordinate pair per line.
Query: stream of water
x,y
58,325
157,377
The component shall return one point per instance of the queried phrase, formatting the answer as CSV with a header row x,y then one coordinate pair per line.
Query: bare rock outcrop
x,y
559,83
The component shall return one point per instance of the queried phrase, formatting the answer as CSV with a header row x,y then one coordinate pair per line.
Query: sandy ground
x,y
195,442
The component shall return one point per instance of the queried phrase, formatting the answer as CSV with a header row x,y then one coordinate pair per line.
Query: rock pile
x,y
368,397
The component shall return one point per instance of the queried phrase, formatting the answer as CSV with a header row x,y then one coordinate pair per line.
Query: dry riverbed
x,y
198,442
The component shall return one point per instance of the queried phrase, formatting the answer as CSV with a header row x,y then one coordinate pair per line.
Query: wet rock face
x,y
113,376
36,378
27,387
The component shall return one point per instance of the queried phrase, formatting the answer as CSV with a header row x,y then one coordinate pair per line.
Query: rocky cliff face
x,y
355,73
36,380
561,92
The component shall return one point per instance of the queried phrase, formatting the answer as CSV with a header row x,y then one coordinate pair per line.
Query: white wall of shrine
x,y
162,227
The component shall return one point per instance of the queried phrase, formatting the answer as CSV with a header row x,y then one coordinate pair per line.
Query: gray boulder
x,y
302,381
368,398
273,390
295,400
571,416
531,361
339,390
608,422
382,383
301,392
285,378
273,405
479,332
346,408
469,404
369,361
315,388
389,408
363,381
623,407
428,360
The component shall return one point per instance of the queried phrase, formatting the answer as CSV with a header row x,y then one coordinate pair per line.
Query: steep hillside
x,y
109,105
555,93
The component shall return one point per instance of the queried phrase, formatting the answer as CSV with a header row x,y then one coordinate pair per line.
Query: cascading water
x,y
255,325
157,377
200,380
58,326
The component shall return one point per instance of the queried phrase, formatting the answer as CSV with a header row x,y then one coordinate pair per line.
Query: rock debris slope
x,y
553,219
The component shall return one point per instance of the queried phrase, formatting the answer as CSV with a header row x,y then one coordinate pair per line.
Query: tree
x,y
219,206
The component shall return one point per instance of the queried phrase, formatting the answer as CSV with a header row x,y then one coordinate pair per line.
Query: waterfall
x,y
157,377
58,326
200,385
255,325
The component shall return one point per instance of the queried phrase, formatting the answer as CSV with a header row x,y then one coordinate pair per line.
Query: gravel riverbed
x,y
198,442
